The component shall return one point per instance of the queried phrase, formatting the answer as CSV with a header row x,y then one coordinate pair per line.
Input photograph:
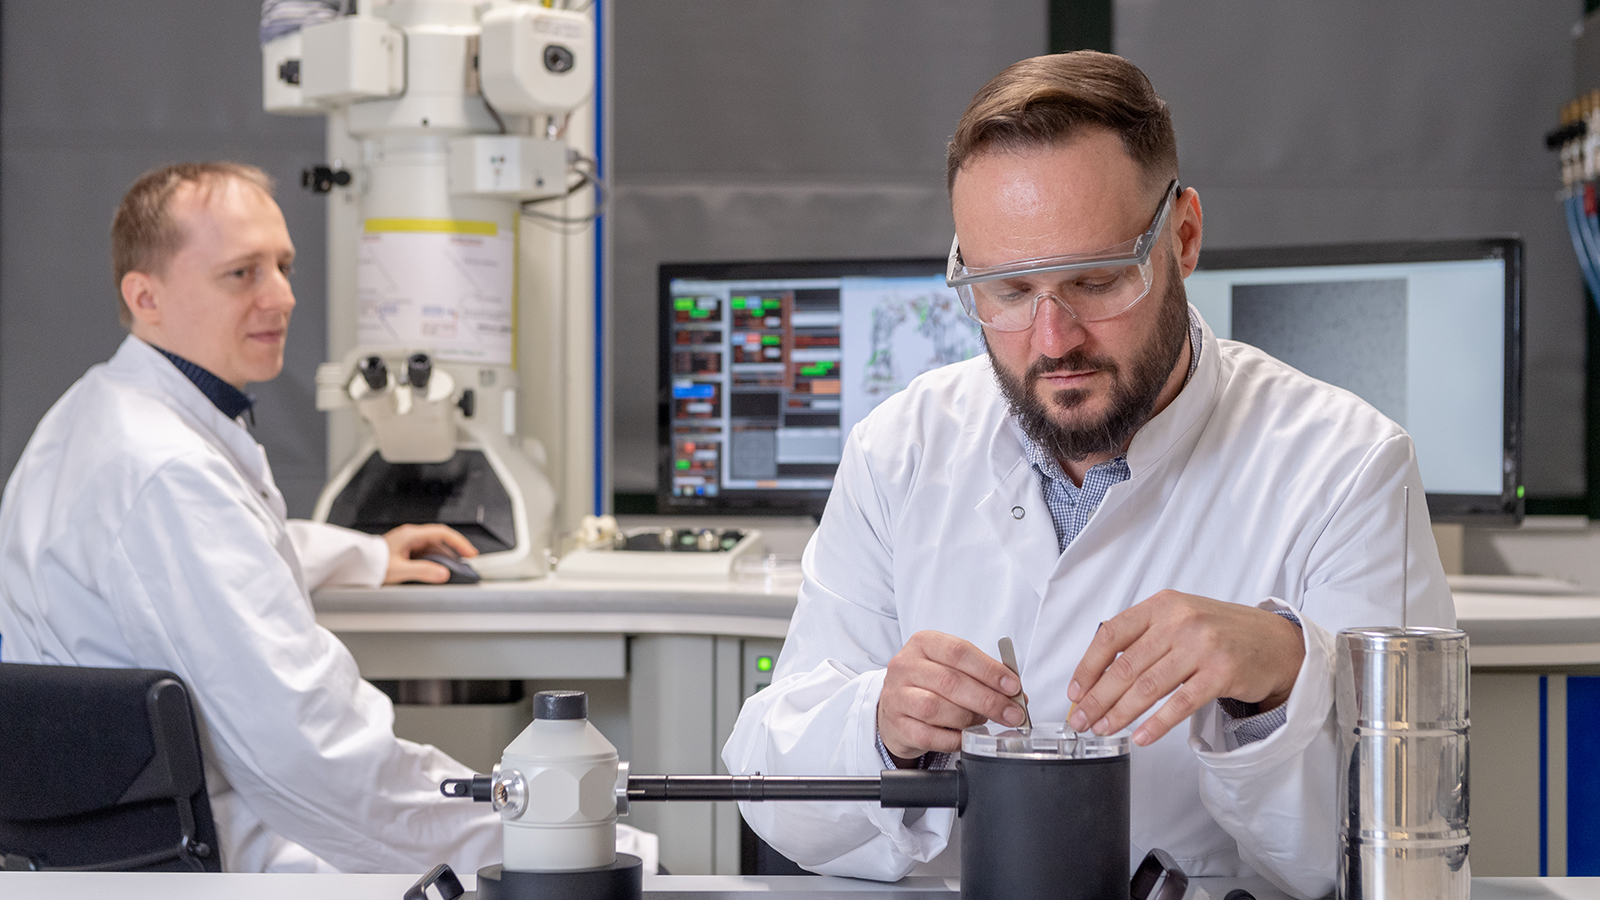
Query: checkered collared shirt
x,y
1071,507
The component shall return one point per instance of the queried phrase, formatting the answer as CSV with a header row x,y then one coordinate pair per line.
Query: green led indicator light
x,y
771,340
699,314
682,463
763,664
684,303
1520,491
772,304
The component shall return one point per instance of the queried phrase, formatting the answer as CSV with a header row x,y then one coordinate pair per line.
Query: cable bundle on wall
x,y
281,17
1578,142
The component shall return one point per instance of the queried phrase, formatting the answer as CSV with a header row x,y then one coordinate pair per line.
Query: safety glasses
x,y
1090,286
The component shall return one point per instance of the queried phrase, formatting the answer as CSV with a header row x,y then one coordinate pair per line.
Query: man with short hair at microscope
x,y
142,528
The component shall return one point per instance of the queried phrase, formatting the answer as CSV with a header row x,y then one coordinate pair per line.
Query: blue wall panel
x,y
1583,775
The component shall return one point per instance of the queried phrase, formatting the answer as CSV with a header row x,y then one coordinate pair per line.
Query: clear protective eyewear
x,y
1092,286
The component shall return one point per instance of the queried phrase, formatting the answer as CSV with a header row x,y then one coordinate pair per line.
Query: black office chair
x,y
100,771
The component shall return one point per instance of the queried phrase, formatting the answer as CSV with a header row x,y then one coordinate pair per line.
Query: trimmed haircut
x,y
144,234
1047,100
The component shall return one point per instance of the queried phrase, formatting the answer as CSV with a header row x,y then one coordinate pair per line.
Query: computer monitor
x,y
765,367
1429,332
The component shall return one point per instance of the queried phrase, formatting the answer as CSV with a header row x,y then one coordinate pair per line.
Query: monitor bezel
x,y
1507,507
759,502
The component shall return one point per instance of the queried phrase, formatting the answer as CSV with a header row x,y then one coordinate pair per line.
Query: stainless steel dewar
x,y
1402,708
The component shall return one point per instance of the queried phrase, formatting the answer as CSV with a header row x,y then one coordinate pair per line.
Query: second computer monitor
x,y
767,366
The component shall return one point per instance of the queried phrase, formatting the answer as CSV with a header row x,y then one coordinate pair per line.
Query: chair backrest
x,y
100,770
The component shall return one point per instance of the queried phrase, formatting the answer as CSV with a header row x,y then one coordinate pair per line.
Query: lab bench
x,y
668,665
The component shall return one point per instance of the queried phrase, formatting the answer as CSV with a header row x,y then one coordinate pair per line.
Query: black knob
x,y
561,705
468,403
322,179
557,58
375,372
419,368
289,71
479,787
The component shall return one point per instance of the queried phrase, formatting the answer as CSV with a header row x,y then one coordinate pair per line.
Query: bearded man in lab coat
x,y
142,528
1170,526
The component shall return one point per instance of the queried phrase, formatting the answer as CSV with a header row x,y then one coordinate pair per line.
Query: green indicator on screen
x,y
816,369
682,463
763,664
685,303
1520,491
770,340
772,304
699,314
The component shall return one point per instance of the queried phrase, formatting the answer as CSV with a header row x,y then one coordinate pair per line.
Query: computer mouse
x,y
460,572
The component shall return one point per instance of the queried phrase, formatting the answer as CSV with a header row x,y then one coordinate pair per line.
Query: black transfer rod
x,y
909,788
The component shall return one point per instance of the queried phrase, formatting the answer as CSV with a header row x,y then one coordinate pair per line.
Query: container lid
x,y
561,705
1043,742
1395,639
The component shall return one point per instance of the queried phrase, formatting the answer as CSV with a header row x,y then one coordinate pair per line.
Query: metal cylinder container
x,y
1402,708
1045,815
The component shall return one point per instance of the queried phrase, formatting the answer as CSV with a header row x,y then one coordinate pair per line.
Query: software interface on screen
x,y
1424,342
768,376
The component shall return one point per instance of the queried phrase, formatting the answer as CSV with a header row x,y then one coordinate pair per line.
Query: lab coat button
x,y
1018,512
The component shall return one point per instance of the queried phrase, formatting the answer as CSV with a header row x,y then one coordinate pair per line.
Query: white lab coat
x,y
142,528
1257,485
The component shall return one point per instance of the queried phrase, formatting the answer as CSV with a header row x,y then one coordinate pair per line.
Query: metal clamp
x,y
440,877
1158,878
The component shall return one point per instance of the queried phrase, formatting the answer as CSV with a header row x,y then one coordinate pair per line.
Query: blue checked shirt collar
x,y
1071,507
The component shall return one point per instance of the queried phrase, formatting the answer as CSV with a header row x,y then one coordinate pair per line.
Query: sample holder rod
x,y
910,788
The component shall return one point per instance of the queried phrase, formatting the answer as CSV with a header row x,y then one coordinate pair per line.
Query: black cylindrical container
x,y
622,880
1046,815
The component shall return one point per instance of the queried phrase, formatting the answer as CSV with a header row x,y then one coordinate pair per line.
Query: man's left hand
x,y
409,540
1193,648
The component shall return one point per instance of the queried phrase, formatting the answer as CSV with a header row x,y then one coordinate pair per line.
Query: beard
x,y
1133,393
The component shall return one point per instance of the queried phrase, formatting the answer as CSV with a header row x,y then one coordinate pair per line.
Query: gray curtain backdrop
x,y
1370,120
91,95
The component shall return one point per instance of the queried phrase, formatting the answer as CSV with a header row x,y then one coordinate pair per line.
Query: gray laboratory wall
x,y
771,129
91,95
1375,120
760,129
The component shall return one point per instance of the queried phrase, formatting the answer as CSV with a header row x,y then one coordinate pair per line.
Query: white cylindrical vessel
x,y
556,790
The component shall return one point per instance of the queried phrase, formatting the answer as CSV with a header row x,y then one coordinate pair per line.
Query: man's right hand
x,y
937,685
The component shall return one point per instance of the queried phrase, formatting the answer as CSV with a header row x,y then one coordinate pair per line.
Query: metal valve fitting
x,y
510,794
622,788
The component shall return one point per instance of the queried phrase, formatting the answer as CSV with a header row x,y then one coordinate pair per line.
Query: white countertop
x,y
1506,629
1524,630
771,597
